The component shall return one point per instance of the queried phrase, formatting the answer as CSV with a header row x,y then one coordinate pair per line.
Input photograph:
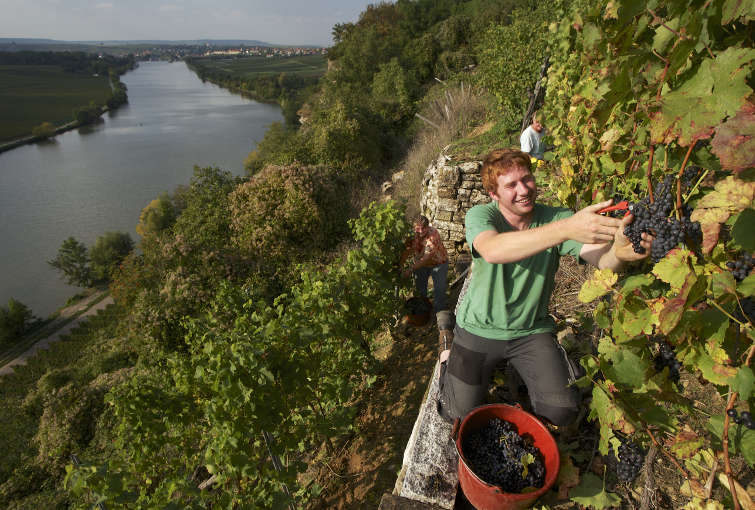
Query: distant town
x,y
163,50
207,50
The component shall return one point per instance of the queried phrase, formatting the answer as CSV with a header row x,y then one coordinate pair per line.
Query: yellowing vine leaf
x,y
715,91
686,443
674,268
609,139
729,196
601,283
734,141
699,503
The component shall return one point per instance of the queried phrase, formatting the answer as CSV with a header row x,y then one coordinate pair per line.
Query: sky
x,y
285,22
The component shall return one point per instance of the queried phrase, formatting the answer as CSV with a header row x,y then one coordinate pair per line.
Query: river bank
x,y
98,178
59,130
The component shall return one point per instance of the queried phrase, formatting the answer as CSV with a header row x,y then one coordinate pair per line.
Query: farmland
x,y
255,66
32,94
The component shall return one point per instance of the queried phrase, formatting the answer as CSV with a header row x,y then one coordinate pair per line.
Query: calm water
x,y
93,180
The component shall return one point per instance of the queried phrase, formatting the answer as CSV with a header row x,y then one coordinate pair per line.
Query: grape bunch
x,y
667,358
631,458
495,452
741,419
654,219
741,267
690,176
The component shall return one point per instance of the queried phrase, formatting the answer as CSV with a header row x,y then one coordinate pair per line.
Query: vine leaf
x,y
744,226
734,140
673,269
712,371
592,493
671,314
729,196
741,439
609,138
568,477
610,415
635,282
600,284
744,382
735,9
627,368
633,318
723,283
686,443
692,111
747,286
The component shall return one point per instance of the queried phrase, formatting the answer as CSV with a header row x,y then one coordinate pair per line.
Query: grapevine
x,y
655,105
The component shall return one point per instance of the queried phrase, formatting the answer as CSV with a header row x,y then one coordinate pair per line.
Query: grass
x,y
448,113
31,95
250,67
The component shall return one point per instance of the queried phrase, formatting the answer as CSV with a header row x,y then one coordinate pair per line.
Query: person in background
x,y
516,246
429,260
531,140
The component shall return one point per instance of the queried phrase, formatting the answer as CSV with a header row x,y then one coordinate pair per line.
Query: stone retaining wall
x,y
449,190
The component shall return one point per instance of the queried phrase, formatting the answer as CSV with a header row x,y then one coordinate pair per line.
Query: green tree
x,y
107,253
510,57
73,261
44,130
13,320
158,215
393,90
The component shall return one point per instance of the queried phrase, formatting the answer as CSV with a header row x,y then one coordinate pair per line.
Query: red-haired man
x,y
516,246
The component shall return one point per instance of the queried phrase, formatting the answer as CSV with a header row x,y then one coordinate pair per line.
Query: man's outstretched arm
x,y
585,226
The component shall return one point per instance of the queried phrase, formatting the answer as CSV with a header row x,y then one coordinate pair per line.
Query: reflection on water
x,y
98,178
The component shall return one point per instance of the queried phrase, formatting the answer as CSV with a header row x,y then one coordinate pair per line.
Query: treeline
x,y
382,66
247,316
287,89
71,61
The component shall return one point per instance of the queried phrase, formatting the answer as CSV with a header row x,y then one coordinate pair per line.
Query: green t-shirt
x,y
508,301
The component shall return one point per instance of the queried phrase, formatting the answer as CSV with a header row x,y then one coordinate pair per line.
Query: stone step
x,y
429,471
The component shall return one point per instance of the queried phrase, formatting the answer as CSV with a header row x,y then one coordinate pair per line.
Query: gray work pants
x,y
539,360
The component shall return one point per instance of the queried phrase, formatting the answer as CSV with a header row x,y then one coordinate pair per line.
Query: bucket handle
x,y
455,429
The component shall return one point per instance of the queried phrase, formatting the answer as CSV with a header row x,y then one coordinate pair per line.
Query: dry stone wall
x,y
449,190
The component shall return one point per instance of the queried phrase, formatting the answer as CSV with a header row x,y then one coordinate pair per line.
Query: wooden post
x,y
536,99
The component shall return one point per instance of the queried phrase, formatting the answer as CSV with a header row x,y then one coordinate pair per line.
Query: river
x,y
97,179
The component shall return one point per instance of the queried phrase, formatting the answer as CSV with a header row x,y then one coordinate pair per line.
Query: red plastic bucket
x,y
489,497
419,310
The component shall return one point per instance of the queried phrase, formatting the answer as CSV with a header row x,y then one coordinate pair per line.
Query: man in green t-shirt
x,y
516,246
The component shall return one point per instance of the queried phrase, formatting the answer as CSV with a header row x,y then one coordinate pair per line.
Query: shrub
x,y
288,214
44,130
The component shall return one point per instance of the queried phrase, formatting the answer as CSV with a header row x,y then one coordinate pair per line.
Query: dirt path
x,y
44,343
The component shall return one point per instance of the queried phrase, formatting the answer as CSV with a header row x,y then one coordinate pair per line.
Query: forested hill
x,y
247,325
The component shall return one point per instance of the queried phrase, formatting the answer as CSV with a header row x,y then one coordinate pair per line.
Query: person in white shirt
x,y
531,140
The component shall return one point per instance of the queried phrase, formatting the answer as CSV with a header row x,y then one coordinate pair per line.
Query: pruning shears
x,y
621,206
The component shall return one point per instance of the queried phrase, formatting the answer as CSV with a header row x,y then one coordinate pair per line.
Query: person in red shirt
x,y
429,260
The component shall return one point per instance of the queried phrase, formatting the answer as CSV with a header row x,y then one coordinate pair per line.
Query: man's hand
x,y
588,227
622,246
406,273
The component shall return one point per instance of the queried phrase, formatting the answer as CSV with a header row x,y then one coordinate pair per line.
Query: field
x,y
30,95
250,67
